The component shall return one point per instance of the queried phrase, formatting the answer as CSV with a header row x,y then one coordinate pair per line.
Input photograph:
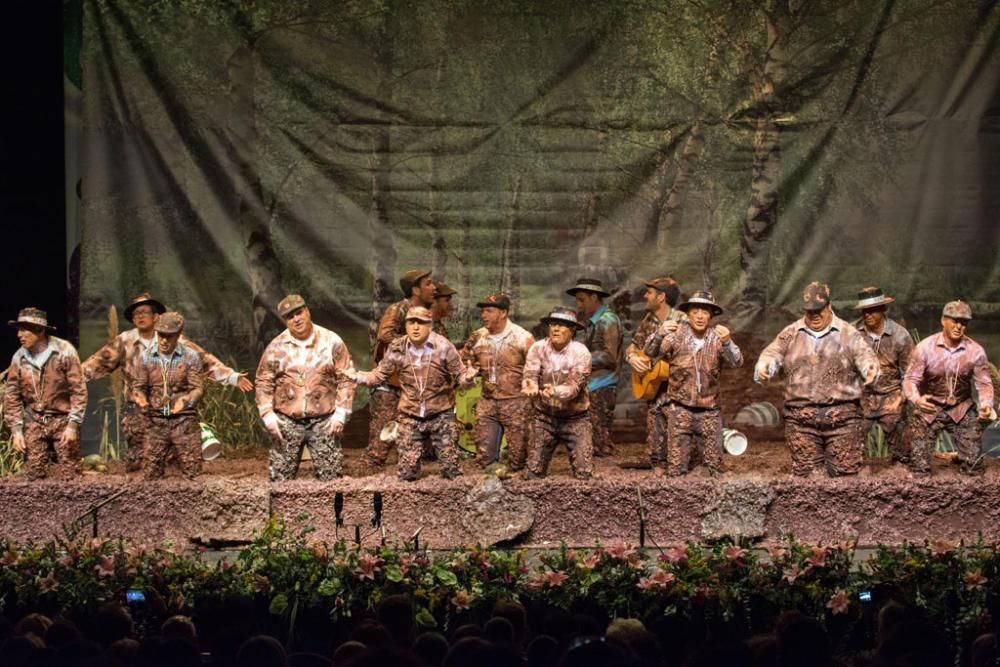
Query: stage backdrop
x,y
233,152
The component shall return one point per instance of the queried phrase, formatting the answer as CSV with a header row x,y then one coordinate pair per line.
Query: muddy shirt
x,y
305,379
125,350
603,337
646,329
427,375
50,382
695,365
390,327
499,359
165,379
893,349
947,375
819,369
568,370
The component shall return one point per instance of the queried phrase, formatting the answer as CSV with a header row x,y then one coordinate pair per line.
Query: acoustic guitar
x,y
645,386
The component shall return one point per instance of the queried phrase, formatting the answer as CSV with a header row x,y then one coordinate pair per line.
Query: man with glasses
x,y
827,364
938,382
304,394
125,351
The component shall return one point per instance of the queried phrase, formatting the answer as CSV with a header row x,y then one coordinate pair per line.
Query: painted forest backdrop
x,y
233,152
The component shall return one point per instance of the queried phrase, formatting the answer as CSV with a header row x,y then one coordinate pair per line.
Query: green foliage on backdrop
x,y
234,152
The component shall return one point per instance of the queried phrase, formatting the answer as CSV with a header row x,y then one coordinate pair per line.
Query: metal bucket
x,y
210,445
758,414
991,440
734,442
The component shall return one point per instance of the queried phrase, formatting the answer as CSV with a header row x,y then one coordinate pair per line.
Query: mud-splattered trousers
x,y
163,436
966,433
547,431
382,409
311,432
889,412
693,433
602,417
42,432
441,430
824,437
502,417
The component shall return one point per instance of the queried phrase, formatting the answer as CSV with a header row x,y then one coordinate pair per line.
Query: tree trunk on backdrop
x,y
673,208
263,269
509,269
440,243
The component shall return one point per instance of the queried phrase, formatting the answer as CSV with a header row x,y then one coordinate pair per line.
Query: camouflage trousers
x,y
42,433
693,430
889,412
967,434
382,409
824,437
441,430
134,428
285,456
548,431
181,435
602,416
497,418
656,430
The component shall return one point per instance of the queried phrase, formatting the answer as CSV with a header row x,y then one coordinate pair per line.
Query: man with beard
x,y
125,352
603,338
556,372
169,384
428,368
661,296
304,394
498,352
696,354
418,291
938,382
45,397
827,364
883,402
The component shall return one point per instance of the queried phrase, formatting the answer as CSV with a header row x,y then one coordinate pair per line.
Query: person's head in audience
x,y
803,641
35,624
262,651
466,630
516,614
914,644
395,612
467,652
372,634
543,650
498,630
431,647
111,623
346,652
179,627
593,652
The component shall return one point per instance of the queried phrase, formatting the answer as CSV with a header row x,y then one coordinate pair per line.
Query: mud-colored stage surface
x,y
233,499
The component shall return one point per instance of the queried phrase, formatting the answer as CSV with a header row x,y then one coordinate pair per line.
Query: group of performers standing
x,y
840,379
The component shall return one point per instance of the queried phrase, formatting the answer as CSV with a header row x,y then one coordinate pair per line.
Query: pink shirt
x,y
946,375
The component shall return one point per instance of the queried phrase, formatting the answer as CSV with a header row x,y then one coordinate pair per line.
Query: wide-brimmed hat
x,y
32,317
816,296
420,314
587,285
144,299
290,304
562,315
442,290
701,298
411,278
498,300
957,310
169,323
872,297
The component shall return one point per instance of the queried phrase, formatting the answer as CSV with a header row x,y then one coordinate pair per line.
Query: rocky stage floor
x,y
757,497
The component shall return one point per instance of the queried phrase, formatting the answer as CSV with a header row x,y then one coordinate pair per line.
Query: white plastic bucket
x,y
389,432
733,441
210,445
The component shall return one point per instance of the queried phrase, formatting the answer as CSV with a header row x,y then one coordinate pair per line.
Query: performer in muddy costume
x,y
304,393
556,372
939,380
497,352
827,364
45,397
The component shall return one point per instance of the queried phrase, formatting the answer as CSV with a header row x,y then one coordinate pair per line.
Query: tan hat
x,y
701,298
588,285
143,299
668,286
290,304
562,315
420,314
412,278
497,300
442,289
32,317
816,296
957,310
169,323
872,297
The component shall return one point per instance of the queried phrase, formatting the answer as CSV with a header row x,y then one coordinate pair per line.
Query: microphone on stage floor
x,y
642,520
376,510
338,508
